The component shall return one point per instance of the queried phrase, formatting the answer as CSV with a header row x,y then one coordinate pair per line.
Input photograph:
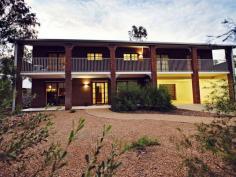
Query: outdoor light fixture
x,y
140,53
86,84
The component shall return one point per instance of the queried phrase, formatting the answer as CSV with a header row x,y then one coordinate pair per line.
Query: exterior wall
x,y
174,53
42,51
184,94
121,50
206,83
81,95
81,52
39,91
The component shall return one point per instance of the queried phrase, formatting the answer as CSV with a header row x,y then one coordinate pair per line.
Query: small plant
x,y
104,168
141,143
55,155
72,111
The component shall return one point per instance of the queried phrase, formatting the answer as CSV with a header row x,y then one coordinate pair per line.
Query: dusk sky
x,y
165,20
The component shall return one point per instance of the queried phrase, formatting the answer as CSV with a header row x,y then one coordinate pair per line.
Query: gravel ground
x,y
156,161
160,160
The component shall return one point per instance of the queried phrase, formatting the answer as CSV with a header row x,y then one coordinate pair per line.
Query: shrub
x,y
127,99
141,143
146,98
156,99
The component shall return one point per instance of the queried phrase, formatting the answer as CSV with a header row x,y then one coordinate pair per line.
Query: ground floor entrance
x,y
100,92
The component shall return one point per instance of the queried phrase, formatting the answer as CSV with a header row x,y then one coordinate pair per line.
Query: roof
x,y
62,42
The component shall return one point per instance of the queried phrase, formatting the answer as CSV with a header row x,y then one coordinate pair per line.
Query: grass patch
x,y
141,144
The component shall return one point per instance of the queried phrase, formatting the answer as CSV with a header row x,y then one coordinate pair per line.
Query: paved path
x,y
106,113
192,107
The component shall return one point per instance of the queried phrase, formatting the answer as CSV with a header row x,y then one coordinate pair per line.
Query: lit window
x,y
94,56
126,56
90,56
134,57
98,56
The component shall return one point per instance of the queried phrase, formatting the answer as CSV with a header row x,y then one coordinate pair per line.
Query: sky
x,y
165,20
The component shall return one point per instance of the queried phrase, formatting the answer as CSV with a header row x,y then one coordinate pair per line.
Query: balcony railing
x,y
44,65
173,65
212,65
85,65
133,65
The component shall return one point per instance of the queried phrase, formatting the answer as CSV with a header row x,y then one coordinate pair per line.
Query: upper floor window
x,y
128,56
94,56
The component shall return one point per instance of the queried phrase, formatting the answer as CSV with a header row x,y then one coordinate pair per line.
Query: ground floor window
x,y
125,84
100,92
55,93
171,89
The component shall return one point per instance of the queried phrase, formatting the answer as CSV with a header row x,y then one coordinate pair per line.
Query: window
x,y
132,56
98,56
94,56
171,89
126,84
126,56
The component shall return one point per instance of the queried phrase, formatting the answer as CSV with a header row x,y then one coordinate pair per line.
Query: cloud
x,y
165,20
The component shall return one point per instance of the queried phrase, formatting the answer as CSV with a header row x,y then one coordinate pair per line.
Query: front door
x,y
100,92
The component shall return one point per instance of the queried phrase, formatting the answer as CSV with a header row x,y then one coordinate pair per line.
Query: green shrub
x,y
141,143
146,98
156,99
127,99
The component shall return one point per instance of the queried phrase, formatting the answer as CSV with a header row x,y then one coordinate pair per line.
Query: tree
x,y
16,21
230,33
137,33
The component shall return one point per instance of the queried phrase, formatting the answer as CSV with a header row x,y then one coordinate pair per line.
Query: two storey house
x,y
70,73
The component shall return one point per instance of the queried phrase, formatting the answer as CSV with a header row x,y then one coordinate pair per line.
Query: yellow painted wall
x,y
184,94
207,82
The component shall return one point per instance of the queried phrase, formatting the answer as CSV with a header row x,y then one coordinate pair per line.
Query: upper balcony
x,y
85,59
54,65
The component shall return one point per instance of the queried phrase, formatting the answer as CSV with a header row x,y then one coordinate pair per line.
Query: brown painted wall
x,y
82,51
121,50
81,96
174,53
39,91
204,54
42,51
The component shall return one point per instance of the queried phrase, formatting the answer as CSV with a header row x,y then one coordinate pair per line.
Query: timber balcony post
x,y
113,69
68,77
195,77
153,64
17,92
230,76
